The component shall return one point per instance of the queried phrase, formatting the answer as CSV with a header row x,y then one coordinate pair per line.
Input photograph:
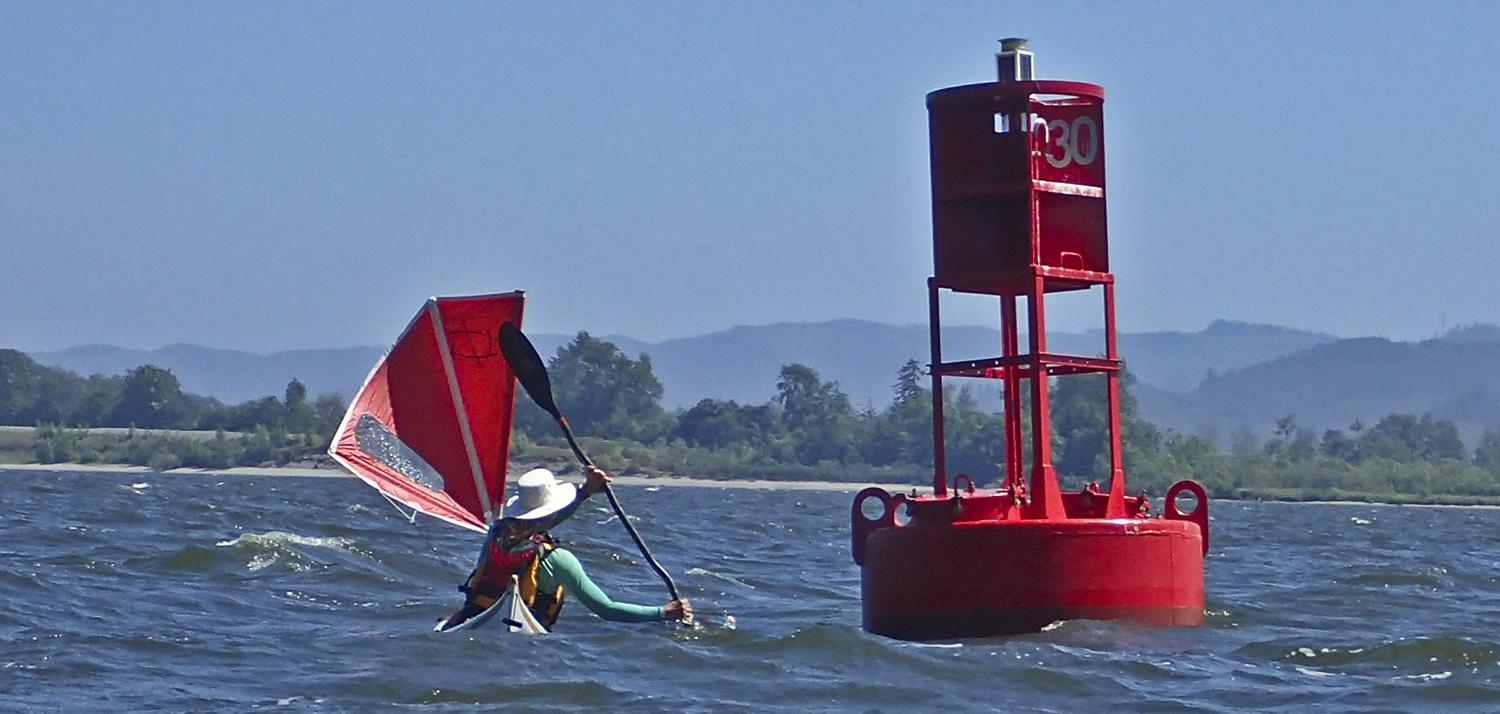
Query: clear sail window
x,y
377,441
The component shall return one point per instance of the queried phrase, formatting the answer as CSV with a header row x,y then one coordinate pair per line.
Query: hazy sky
x,y
268,176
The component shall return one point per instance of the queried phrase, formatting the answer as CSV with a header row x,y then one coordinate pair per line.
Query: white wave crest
x,y
278,546
1315,672
721,576
1426,677
282,538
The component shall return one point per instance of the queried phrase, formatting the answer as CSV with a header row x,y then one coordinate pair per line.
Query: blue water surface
x,y
171,592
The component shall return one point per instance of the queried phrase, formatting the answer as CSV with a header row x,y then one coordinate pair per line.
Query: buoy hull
x,y
988,578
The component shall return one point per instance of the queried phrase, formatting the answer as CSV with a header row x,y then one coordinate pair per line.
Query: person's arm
x,y
565,570
595,479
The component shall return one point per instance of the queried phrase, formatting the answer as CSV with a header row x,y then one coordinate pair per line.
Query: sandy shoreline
x,y
668,481
1379,503
128,469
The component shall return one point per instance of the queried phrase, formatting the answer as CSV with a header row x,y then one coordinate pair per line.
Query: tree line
x,y
809,428
266,430
1400,454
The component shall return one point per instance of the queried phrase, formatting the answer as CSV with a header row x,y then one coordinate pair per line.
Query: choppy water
x,y
193,593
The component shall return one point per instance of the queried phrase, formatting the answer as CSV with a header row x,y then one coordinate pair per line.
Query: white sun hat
x,y
539,494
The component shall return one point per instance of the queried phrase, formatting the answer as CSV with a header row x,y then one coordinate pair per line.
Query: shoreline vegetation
x,y
809,433
1335,497
561,461
303,472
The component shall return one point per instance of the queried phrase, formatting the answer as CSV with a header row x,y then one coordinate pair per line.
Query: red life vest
x,y
492,577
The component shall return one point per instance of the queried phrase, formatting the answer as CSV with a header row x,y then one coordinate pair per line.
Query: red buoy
x,y
1018,198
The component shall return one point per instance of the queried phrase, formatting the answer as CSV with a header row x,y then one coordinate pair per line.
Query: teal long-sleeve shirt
x,y
561,567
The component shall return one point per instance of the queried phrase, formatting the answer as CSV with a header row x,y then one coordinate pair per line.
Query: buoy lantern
x,y
1018,206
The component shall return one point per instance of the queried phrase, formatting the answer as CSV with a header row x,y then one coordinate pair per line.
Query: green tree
x,y
267,412
902,434
909,387
56,444
300,417
1406,438
720,424
1303,446
152,398
1336,445
818,415
1487,453
712,423
100,394
329,409
1443,442
60,394
971,437
20,378
1188,457
212,414
1290,442
605,393
1244,443
1080,425
1286,428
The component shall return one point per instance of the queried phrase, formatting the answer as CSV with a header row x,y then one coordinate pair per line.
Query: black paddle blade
x,y
528,367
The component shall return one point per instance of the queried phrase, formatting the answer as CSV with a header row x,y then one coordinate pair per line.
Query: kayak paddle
x,y
532,374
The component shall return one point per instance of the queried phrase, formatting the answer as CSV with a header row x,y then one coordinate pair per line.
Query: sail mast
x,y
451,374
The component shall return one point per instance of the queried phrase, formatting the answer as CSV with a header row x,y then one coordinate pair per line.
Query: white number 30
x,y
1066,138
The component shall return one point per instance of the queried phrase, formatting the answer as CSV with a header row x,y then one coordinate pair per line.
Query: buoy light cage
x,y
1014,62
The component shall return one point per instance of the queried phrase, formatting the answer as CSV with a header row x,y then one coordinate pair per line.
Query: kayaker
x,y
519,544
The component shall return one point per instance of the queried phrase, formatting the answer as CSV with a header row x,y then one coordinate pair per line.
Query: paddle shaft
x,y
532,374
614,503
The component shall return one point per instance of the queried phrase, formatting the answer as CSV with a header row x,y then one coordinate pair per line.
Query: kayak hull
x,y
516,616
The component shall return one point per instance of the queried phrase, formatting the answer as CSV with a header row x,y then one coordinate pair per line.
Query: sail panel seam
x,y
441,335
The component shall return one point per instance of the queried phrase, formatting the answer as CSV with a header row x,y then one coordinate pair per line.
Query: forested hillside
x,y
1216,382
808,428
65,405
1333,384
740,363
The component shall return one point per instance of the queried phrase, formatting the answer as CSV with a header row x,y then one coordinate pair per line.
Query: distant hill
x,y
1332,384
1211,382
1179,361
1473,333
740,363
229,375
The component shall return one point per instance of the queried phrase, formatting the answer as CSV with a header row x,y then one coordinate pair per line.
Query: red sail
x,y
431,425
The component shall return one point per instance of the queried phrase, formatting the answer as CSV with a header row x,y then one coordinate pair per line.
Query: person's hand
x,y
595,479
677,610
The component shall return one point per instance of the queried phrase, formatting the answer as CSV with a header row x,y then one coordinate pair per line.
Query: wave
x,y
279,538
1421,653
194,558
293,551
721,576
271,591
1394,578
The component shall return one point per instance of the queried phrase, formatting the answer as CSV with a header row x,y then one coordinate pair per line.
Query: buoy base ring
x,y
989,578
